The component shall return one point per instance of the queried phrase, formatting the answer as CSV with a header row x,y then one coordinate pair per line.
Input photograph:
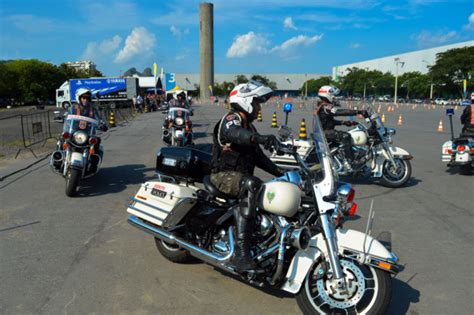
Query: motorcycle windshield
x,y
376,118
178,112
75,122
329,176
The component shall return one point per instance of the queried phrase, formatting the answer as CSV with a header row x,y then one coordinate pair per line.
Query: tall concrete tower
x,y
206,44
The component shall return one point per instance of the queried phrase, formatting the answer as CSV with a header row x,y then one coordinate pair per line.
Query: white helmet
x,y
243,95
81,92
328,92
178,92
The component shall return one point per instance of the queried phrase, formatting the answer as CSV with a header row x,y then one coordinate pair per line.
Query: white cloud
x,y
355,45
96,50
470,24
139,42
300,40
177,32
288,23
246,44
428,39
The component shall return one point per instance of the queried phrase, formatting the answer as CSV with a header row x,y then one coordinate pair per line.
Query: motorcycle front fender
x,y
77,160
347,240
396,152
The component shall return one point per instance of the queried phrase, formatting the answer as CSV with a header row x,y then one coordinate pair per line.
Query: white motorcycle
x,y
299,245
373,155
77,156
177,128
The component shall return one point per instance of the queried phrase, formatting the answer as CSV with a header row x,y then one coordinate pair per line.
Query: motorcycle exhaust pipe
x,y
196,251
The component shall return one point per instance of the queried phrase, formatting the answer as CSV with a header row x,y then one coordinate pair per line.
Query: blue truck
x,y
104,90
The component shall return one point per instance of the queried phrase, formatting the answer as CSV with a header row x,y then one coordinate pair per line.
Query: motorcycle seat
x,y
213,190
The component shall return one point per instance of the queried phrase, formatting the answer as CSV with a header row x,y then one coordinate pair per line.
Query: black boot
x,y
242,259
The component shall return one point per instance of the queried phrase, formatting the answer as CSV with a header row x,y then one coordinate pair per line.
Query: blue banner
x,y
106,88
170,81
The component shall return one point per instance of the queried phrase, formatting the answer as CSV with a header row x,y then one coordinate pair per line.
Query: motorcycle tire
x,y
387,181
172,252
73,178
377,304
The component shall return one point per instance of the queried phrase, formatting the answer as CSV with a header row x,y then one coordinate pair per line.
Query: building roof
x,y
412,61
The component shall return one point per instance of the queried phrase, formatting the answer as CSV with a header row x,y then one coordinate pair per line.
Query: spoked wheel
x,y
368,291
395,177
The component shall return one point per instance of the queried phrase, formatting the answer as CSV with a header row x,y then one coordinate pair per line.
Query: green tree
x,y
315,84
452,67
240,78
414,85
223,88
264,80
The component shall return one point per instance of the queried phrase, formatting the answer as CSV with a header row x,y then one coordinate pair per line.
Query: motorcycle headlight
x,y
179,121
80,137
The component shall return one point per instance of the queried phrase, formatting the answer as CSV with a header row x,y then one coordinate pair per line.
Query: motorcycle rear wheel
x,y
73,177
172,252
369,291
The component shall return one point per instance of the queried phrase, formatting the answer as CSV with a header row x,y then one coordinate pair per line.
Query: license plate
x,y
169,162
158,193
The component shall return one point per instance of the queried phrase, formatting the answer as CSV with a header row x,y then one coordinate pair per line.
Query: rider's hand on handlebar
x,y
268,142
363,113
350,123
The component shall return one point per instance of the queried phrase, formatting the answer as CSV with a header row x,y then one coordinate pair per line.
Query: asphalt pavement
x,y
79,255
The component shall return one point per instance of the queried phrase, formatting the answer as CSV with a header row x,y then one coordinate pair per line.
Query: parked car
x,y
440,101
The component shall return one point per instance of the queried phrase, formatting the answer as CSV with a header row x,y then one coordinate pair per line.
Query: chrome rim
x,y
361,294
395,174
169,247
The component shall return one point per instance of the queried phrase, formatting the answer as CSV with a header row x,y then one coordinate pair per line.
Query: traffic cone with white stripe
x,y
440,126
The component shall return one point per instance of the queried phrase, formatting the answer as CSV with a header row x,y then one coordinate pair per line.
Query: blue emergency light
x,y
287,107
450,111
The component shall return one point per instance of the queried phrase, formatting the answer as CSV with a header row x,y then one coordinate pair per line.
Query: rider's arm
x,y
466,115
233,131
266,164
344,112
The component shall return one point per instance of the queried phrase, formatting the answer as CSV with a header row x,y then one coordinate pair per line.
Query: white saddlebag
x,y
163,204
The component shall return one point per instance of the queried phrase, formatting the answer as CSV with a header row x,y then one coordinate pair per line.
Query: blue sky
x,y
249,36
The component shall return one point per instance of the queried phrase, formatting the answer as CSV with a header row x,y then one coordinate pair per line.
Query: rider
x,y
235,154
84,107
179,100
327,110
467,118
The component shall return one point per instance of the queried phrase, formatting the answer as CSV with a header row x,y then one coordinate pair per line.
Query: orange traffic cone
x,y
400,120
383,118
440,126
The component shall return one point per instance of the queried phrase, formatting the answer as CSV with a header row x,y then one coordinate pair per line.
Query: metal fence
x,y
32,130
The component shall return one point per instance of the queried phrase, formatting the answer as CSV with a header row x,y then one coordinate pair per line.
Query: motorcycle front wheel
x,y
73,177
395,177
368,291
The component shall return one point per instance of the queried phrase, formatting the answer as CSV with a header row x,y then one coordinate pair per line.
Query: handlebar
x,y
290,149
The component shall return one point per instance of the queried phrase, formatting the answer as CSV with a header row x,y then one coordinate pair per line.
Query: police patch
x,y
231,117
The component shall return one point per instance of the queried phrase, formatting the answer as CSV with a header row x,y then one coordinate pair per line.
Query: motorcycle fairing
x,y
347,239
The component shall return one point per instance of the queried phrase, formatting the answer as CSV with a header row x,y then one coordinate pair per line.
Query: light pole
x,y
407,85
365,81
397,62
306,86
431,79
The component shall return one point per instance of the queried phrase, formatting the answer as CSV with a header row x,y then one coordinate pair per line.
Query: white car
x,y
440,101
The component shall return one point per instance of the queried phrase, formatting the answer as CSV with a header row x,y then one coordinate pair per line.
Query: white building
x,y
406,62
85,65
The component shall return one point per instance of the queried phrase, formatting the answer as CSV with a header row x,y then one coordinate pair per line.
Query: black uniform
x,y
328,123
467,119
234,156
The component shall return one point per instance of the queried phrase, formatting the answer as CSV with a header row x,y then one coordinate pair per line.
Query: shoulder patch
x,y
334,110
231,117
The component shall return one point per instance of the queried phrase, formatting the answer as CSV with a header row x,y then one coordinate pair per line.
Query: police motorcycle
x,y
374,156
300,244
459,152
77,156
177,128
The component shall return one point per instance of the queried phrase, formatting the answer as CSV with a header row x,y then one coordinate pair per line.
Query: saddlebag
x,y
163,204
183,163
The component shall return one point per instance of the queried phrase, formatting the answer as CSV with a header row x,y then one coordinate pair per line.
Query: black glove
x,y
363,113
103,127
350,123
267,141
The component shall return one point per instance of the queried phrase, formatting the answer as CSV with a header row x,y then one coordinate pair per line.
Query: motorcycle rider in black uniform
x,y
236,152
467,119
327,110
